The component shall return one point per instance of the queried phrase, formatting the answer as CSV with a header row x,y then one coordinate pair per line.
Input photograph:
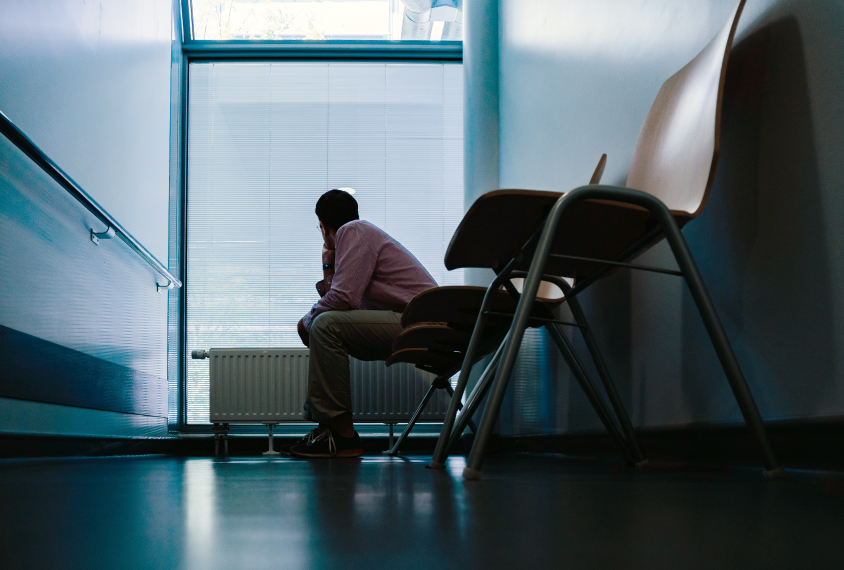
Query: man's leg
x,y
336,335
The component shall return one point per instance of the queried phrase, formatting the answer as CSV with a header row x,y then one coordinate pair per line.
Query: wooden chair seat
x,y
598,229
458,305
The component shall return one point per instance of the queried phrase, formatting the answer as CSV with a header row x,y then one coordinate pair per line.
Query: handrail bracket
x,y
96,237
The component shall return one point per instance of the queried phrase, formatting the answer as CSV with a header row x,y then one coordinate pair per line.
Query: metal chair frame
x,y
669,229
439,383
618,426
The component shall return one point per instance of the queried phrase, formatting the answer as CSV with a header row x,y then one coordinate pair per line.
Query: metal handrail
x,y
25,144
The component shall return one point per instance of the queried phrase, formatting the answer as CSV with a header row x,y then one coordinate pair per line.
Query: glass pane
x,y
276,20
265,141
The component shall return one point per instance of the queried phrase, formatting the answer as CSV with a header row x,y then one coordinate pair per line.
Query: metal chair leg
x,y
722,345
474,343
441,451
419,409
473,402
450,391
499,386
606,379
514,339
592,393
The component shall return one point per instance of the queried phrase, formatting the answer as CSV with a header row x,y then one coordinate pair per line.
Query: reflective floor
x,y
530,511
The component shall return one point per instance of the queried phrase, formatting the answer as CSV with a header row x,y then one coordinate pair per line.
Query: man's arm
x,y
323,287
355,264
328,258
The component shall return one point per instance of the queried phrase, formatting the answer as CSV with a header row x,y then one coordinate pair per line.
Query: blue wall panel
x,y
40,371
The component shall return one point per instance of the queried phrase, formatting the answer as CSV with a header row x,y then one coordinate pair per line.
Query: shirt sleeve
x,y
353,269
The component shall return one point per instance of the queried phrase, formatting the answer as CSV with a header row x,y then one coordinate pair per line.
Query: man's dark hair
x,y
335,208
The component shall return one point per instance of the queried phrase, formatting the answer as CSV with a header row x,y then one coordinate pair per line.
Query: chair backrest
x,y
677,151
599,170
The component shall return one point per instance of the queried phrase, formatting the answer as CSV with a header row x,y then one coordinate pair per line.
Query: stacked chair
x,y
572,240
449,329
587,233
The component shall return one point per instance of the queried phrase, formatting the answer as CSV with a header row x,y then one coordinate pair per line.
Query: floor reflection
x,y
271,512
380,512
199,482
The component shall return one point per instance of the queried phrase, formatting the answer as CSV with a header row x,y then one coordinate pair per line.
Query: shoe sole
x,y
344,453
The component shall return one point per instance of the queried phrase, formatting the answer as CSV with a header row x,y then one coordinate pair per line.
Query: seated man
x,y
369,278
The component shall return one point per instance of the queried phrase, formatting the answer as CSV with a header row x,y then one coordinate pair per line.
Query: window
x,y
265,141
280,20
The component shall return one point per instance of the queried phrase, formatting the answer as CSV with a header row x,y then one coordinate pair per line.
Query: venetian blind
x,y
265,140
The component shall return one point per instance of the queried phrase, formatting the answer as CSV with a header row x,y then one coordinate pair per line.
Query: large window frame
x,y
194,51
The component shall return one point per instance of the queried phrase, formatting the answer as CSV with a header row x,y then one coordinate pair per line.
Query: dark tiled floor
x,y
530,511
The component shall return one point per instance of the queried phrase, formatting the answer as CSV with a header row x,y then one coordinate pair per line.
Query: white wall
x,y
576,79
89,83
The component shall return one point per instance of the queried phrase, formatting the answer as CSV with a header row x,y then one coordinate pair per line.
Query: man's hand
x,y
303,333
328,255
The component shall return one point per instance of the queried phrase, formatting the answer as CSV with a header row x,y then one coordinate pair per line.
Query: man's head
x,y
335,208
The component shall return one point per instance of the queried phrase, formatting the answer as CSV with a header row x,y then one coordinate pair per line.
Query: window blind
x,y
265,140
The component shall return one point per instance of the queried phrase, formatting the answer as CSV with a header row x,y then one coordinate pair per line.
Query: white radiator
x,y
254,385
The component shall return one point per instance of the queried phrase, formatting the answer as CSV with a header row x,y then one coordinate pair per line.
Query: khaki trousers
x,y
334,336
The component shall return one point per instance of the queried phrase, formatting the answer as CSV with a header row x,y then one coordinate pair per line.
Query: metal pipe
x,y
627,254
618,264
416,22
271,451
607,381
541,319
592,393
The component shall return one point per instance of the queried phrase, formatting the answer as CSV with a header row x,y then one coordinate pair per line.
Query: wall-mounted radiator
x,y
269,385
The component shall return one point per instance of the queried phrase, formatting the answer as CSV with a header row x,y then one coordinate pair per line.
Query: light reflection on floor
x,y
392,512
301,500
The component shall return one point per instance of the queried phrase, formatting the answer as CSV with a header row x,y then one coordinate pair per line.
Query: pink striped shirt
x,y
371,271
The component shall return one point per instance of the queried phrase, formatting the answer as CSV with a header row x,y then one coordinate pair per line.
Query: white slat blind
x,y
265,141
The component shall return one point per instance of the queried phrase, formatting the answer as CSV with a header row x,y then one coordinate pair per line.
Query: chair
x,y
439,324
594,229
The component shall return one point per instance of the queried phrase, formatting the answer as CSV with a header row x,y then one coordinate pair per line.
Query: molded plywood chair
x,y
438,330
594,229
487,237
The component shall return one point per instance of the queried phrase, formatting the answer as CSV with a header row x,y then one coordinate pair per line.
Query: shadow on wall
x,y
761,243
762,248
